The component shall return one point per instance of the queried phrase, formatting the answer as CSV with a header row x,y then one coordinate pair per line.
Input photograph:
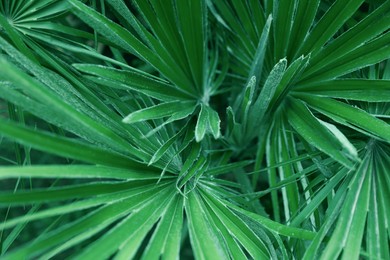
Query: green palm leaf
x,y
237,129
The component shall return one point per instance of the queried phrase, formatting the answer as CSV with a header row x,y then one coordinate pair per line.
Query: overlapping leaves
x,y
295,169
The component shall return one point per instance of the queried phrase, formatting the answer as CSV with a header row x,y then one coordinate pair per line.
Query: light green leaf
x,y
143,189
66,147
238,228
147,217
181,114
83,228
63,193
329,141
195,172
75,171
273,225
166,238
348,232
352,89
289,78
214,122
247,99
168,144
126,236
191,163
202,123
232,245
349,116
159,111
347,146
135,80
204,241
262,102
231,121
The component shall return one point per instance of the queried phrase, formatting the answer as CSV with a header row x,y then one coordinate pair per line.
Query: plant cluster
x,y
207,129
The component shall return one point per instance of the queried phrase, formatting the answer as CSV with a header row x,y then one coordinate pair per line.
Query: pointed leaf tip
x,y
201,125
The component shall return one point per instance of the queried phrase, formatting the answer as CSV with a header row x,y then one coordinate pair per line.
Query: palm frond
x,y
236,129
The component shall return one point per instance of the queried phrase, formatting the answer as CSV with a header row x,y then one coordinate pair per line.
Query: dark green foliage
x,y
205,129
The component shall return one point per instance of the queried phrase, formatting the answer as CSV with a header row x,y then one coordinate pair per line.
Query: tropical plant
x,y
207,129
